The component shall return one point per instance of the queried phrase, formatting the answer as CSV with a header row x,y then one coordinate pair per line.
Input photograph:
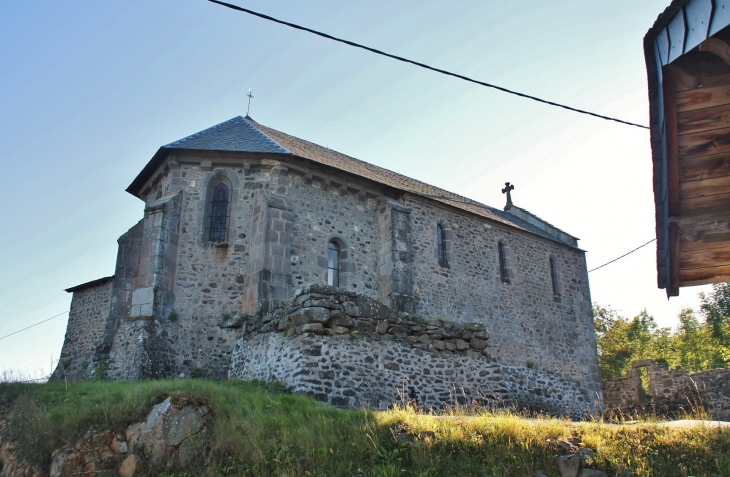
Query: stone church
x,y
263,256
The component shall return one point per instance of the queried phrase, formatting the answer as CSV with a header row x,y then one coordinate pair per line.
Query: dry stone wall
x,y
350,350
672,390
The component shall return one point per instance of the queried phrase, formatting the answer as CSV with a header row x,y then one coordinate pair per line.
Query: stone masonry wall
x,y
672,388
354,371
85,331
212,280
351,350
623,392
555,333
284,212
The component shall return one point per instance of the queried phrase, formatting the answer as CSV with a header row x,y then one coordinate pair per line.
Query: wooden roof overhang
x,y
687,54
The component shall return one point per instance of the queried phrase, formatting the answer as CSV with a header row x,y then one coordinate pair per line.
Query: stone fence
x,y
323,310
671,389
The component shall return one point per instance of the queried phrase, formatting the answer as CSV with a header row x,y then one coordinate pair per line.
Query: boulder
x,y
476,343
315,328
591,473
586,456
568,464
370,308
65,461
310,315
168,425
132,465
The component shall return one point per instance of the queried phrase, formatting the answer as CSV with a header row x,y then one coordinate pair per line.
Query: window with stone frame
x,y
333,264
443,258
555,269
219,208
505,271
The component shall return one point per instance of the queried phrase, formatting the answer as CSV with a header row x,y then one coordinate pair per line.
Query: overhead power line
x,y
622,256
31,326
423,65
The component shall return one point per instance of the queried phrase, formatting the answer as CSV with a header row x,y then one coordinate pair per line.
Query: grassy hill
x,y
257,429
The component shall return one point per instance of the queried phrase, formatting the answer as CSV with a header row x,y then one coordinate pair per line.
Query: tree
x,y
716,310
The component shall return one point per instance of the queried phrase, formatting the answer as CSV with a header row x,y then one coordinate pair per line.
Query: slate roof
x,y
236,134
246,135
92,283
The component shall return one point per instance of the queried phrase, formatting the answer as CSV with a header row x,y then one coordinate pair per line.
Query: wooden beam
x,y
685,80
673,285
705,119
705,143
704,276
700,227
704,187
709,242
703,98
713,257
704,167
670,121
717,47
706,204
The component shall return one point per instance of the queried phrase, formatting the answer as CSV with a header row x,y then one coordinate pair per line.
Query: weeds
x,y
259,429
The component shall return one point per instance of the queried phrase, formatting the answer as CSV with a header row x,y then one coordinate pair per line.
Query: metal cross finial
x,y
249,101
507,189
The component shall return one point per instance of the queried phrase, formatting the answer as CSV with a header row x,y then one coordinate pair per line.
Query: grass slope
x,y
259,431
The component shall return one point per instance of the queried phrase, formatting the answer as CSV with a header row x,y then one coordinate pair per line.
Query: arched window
x,y
333,264
554,277
219,211
441,244
502,263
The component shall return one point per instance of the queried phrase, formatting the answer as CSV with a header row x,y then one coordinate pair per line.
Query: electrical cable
x,y
622,256
423,65
31,326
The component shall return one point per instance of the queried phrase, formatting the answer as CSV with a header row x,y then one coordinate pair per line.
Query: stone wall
x,y
355,371
350,350
672,389
85,330
623,392
283,213
713,387
554,332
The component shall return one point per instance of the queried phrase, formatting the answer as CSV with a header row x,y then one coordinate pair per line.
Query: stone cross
x,y
507,189
249,101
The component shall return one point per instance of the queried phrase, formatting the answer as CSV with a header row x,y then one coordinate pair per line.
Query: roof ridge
x,y
314,152
376,168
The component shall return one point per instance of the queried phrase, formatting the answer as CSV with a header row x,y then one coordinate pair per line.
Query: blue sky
x,y
90,90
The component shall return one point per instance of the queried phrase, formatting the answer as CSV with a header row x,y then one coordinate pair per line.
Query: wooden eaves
x,y
687,54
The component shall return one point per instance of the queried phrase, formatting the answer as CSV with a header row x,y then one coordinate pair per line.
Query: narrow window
x,y
502,263
441,248
333,264
554,277
218,228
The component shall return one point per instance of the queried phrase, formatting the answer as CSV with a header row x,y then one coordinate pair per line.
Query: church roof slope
x,y
246,135
337,160
236,134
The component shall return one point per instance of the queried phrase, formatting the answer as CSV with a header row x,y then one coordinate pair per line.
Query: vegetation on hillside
x,y
697,344
260,430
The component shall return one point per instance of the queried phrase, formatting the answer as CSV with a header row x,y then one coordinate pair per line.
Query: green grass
x,y
258,430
